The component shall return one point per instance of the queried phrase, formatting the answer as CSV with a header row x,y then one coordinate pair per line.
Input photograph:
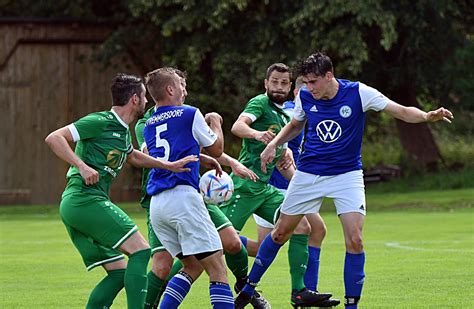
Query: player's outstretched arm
x,y
290,131
210,163
238,168
139,159
58,142
242,129
414,115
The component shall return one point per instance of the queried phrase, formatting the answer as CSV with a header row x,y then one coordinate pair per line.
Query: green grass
x,y
415,259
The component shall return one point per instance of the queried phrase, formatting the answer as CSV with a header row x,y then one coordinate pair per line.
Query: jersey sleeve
x,y
87,127
202,133
298,112
253,110
371,98
129,143
139,127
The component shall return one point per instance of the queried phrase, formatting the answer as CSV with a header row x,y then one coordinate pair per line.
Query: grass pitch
x,y
419,256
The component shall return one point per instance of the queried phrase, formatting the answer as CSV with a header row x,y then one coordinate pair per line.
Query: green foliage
x,y
413,51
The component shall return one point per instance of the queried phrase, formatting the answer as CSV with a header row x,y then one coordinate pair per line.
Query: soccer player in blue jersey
x,y
330,165
318,228
177,211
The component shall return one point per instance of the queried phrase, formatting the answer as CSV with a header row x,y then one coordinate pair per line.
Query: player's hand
x,y
440,114
213,117
211,163
178,166
286,161
242,171
267,156
265,136
90,175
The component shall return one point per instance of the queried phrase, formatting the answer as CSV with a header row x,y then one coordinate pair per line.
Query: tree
x,y
410,50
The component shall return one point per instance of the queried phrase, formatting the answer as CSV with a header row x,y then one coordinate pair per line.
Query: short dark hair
x,y
279,67
318,64
123,87
157,80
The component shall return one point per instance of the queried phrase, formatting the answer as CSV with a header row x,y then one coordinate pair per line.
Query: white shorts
x,y
182,223
306,192
262,222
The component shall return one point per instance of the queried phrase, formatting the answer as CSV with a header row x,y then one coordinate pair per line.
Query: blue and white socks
x,y
221,295
176,290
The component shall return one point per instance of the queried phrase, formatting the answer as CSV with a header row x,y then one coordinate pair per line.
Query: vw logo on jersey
x,y
328,131
345,111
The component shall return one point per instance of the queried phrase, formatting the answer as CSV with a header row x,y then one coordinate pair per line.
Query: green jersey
x,y
144,197
266,116
103,142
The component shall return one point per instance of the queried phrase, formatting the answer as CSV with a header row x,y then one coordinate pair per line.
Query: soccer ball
x,y
216,190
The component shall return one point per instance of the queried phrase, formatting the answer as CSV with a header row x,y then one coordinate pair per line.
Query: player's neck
x,y
167,103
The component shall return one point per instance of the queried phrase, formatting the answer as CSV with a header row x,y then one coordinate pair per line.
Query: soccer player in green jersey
x,y
163,267
98,228
257,125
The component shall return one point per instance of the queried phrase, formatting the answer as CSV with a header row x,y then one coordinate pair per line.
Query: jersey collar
x,y
119,119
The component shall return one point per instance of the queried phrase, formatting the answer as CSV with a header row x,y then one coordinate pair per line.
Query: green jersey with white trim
x,y
103,142
144,197
266,116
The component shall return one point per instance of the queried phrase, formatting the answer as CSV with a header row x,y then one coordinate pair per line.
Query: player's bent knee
x,y
233,246
134,243
281,236
120,264
355,244
303,227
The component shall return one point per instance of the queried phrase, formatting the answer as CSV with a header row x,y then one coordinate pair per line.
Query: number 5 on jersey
x,y
160,142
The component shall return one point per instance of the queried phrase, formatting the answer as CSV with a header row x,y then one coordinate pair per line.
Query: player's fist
x,y
213,117
265,136
90,175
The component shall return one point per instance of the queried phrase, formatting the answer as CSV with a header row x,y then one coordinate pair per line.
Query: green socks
x,y
104,293
177,266
136,282
298,259
238,263
154,288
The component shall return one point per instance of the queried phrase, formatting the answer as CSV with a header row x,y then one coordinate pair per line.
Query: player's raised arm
x,y
414,115
242,129
214,121
58,142
290,131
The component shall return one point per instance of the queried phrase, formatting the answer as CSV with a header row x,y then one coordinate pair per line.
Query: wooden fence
x,y
46,82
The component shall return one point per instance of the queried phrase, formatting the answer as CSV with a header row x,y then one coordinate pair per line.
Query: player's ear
x,y
169,90
265,83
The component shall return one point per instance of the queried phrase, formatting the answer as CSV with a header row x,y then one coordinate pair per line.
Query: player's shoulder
x,y
288,105
100,118
304,94
348,84
259,99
